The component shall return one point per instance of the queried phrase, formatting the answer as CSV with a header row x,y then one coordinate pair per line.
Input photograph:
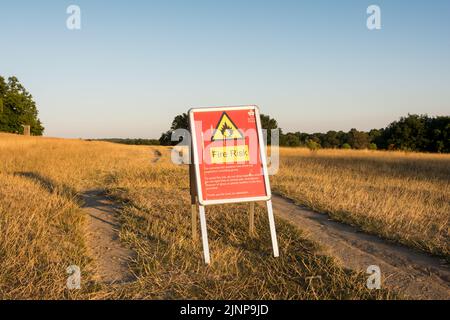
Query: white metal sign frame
x,y
203,202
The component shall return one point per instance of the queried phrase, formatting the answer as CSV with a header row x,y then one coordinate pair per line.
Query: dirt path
x,y
111,257
412,274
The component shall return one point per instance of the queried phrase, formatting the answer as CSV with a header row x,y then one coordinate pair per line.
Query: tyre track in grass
x,y
111,257
413,274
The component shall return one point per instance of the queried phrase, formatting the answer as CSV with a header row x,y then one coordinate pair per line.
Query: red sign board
x,y
229,155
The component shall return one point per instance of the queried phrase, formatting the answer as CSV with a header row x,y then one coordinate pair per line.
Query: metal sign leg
x,y
204,234
273,232
194,222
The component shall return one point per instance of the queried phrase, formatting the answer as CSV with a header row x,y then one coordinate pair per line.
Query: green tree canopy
x,y
419,133
17,108
331,140
181,121
290,140
414,133
358,139
268,124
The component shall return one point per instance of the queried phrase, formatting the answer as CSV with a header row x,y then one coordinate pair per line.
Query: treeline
x,y
139,142
17,108
411,133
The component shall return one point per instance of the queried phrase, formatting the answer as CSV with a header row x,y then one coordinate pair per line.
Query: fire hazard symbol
x,y
226,130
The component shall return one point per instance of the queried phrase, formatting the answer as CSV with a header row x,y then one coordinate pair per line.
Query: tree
x,y
358,139
316,137
290,140
2,92
414,133
438,133
331,140
17,108
3,86
303,137
343,137
268,123
409,133
419,133
181,121
346,146
312,145
376,136
372,146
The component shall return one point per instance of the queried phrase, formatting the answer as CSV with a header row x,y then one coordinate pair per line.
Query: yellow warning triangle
x,y
226,129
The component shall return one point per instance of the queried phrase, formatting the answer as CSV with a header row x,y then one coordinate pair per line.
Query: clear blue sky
x,y
313,65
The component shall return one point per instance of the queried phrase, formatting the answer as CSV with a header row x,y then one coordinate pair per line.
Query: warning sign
x,y
226,129
229,156
229,164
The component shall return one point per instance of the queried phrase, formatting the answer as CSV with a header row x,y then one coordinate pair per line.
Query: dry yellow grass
x,y
42,231
400,196
40,237
156,225
41,225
